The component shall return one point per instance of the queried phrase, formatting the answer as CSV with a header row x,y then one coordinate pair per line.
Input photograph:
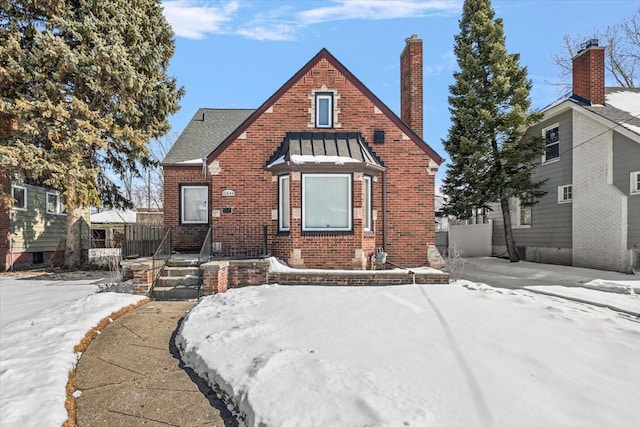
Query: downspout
x,y
384,211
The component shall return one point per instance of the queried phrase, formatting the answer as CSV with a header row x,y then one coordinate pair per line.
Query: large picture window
x,y
326,202
367,217
283,203
194,204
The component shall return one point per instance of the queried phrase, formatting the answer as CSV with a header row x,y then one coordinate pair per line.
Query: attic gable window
x,y
324,109
551,137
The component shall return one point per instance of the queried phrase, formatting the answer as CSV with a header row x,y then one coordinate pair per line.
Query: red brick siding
x,y
411,84
410,199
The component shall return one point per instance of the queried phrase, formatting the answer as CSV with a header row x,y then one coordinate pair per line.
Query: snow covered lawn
x,y
460,355
40,324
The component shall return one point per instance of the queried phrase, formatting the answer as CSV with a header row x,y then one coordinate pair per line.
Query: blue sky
x,y
235,54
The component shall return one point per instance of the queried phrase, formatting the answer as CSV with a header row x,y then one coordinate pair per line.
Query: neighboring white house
x,y
590,216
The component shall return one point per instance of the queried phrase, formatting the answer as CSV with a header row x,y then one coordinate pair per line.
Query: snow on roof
x,y
625,100
114,216
192,161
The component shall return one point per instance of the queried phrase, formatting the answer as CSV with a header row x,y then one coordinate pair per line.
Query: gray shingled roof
x,y
614,114
330,144
206,130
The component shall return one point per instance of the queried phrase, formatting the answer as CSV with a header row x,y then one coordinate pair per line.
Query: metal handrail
x,y
160,257
204,256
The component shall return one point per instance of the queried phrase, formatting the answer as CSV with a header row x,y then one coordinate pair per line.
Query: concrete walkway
x,y
131,375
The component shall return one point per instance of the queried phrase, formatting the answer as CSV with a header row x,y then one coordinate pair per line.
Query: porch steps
x,y
180,280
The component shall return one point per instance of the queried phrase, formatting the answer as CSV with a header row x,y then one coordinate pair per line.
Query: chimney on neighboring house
x,y
411,84
588,73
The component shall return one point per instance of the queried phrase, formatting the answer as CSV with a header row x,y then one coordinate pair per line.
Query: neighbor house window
x,y
324,110
19,195
565,194
283,203
367,217
551,137
522,217
635,182
326,202
54,205
194,201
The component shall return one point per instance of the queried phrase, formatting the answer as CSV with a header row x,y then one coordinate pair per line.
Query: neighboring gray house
x,y
590,216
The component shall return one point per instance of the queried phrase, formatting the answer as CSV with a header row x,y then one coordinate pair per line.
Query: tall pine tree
x,y
88,82
489,104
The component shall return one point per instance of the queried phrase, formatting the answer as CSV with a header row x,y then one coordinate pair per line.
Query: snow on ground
x,y
619,295
41,322
278,266
465,354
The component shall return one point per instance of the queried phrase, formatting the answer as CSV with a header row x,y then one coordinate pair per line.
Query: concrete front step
x,y
182,263
173,281
180,271
175,294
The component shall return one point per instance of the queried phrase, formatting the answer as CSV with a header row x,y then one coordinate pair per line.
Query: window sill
x,y
521,226
328,233
565,202
284,232
546,162
20,209
57,214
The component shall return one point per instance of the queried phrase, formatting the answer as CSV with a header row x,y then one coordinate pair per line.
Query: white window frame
x,y
367,205
349,207
518,218
59,209
24,189
562,194
182,204
634,184
284,221
329,97
544,137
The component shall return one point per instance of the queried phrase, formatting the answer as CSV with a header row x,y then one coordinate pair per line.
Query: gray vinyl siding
x,y
550,221
626,159
35,229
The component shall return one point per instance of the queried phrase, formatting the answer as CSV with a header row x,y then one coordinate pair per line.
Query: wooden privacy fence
x,y
141,240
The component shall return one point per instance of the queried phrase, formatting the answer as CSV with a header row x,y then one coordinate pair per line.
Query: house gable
x,y
341,70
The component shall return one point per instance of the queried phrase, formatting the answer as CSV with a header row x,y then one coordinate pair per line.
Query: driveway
x,y
501,273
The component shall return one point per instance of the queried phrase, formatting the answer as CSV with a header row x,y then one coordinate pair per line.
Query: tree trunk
x,y
73,247
508,232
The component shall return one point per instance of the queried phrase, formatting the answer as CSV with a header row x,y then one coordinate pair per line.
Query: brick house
x,y
590,214
323,165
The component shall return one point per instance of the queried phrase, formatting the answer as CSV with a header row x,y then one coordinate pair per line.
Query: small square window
x,y
54,206
635,182
565,194
551,137
19,195
324,110
194,202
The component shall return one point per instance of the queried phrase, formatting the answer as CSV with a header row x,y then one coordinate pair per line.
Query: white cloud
x,y
446,63
194,19
377,9
274,32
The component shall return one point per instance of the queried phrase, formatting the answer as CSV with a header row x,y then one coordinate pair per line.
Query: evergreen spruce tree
x,y
88,82
489,103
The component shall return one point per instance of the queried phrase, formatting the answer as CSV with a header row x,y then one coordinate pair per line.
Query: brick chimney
x,y
588,73
411,84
